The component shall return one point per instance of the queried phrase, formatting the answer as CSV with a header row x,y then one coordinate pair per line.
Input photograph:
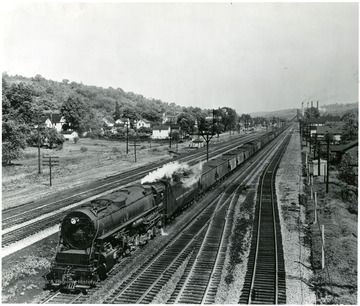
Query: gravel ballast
x,y
293,226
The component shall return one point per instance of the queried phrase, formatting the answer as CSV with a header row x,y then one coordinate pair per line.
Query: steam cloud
x,y
167,172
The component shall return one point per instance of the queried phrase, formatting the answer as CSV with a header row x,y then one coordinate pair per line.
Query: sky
x,y
248,56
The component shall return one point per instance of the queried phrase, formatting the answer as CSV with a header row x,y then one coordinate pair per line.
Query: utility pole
x,y
127,137
327,163
319,150
38,134
170,136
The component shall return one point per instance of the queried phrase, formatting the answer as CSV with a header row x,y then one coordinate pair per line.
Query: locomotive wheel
x,y
102,271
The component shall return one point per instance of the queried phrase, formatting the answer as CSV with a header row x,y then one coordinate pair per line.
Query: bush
x,y
83,149
115,150
76,139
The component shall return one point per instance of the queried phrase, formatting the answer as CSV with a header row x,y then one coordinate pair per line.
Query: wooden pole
x,y
327,167
315,197
50,170
323,246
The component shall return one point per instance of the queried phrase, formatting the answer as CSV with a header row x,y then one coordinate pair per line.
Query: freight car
x,y
98,234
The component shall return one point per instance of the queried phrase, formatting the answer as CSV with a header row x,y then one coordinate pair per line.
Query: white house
x,y
142,123
109,122
57,121
169,118
69,135
123,121
160,132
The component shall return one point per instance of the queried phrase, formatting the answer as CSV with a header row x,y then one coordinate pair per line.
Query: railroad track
x,y
200,254
59,297
265,277
200,239
15,227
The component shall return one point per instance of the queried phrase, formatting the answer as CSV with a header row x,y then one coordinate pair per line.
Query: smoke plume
x,y
169,171
194,175
165,172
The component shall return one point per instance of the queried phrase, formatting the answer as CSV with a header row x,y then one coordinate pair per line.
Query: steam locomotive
x,y
98,234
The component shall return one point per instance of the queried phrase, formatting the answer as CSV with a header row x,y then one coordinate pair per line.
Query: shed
x,y
197,143
323,163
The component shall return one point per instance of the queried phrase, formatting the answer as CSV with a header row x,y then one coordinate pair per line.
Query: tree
x,y
348,169
14,137
131,113
186,123
206,129
74,111
47,136
228,118
246,120
350,129
117,114
312,113
18,103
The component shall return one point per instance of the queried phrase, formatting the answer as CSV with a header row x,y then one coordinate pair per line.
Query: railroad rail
x,y
201,254
49,212
196,247
265,277
201,259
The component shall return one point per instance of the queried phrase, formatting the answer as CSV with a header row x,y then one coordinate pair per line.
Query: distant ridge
x,y
337,109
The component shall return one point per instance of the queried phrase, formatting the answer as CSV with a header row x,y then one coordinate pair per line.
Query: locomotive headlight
x,y
74,220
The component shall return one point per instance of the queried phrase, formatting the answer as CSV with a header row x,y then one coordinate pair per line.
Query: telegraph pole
x,y
38,134
327,164
127,137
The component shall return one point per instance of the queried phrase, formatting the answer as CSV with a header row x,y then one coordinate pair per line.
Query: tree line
x,y
26,100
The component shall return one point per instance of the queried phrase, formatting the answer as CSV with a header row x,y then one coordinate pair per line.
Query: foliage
x,y
228,117
47,136
312,113
18,103
83,149
76,139
14,137
350,129
175,135
348,169
145,130
186,122
117,113
246,120
74,111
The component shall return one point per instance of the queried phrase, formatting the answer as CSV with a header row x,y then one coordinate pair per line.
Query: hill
x,y
337,109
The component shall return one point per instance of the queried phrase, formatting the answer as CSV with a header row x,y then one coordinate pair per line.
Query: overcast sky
x,y
247,56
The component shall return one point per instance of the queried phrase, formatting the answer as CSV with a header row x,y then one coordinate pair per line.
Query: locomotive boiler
x,y
95,236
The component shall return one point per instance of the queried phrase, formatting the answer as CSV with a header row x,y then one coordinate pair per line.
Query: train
x,y
97,235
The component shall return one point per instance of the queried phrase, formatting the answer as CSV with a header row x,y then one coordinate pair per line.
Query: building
x,y
108,122
160,132
57,121
69,135
169,119
198,143
335,131
143,123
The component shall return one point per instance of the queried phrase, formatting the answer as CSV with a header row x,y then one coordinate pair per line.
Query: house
x,y
108,122
169,119
160,132
143,123
121,122
69,135
336,131
57,121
